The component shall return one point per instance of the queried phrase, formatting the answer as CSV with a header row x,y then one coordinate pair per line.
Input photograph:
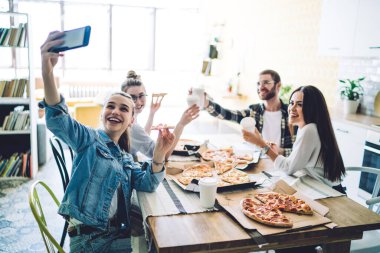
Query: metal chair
x,y
59,156
35,205
370,241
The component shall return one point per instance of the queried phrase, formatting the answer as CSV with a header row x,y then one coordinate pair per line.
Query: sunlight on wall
x,y
279,35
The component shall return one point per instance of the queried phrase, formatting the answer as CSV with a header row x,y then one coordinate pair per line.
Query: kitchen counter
x,y
359,120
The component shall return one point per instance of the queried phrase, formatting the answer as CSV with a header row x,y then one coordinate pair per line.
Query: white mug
x,y
199,94
248,124
191,100
207,190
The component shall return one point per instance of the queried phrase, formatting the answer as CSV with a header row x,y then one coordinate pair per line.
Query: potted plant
x,y
351,91
285,92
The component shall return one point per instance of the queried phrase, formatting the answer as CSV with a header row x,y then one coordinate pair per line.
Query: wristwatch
x,y
264,150
158,164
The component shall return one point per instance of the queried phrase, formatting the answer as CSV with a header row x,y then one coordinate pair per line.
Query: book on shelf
x,y
14,36
16,165
9,165
13,88
18,119
29,166
4,37
3,162
24,163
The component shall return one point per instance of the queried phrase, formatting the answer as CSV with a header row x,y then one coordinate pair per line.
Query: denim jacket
x,y
99,167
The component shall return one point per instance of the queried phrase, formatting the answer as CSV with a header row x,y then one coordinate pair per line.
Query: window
x,y
143,38
178,43
132,38
96,54
40,24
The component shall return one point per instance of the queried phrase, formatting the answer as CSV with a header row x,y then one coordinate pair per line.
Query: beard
x,y
271,93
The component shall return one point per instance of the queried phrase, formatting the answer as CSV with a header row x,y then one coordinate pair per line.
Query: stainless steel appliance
x,y
371,159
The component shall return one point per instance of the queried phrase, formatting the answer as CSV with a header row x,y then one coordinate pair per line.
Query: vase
x,y
350,106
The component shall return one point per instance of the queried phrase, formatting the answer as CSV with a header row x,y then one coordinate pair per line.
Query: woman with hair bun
x,y
141,140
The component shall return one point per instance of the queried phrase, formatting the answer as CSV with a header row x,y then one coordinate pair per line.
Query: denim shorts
x,y
110,241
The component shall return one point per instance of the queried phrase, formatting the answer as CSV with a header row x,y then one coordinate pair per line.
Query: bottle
x,y
237,85
230,86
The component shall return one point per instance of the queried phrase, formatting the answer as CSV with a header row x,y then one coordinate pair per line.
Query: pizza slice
x,y
185,180
198,171
161,126
217,154
285,202
244,157
222,167
159,94
264,214
235,177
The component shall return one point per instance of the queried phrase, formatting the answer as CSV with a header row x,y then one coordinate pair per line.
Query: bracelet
x,y
265,149
158,164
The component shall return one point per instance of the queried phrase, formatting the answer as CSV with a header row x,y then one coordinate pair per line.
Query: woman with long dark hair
x,y
315,150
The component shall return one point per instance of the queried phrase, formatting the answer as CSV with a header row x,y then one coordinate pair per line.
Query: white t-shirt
x,y
272,127
304,155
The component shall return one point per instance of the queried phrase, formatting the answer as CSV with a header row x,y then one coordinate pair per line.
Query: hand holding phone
x,y
75,38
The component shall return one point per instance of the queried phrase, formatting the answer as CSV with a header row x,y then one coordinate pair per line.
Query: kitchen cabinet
x,y
351,141
350,28
367,36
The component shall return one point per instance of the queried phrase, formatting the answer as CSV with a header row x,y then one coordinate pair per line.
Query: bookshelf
x,y
18,109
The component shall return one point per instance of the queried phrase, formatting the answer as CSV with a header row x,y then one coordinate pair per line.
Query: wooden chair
x,y
370,242
88,114
59,156
35,205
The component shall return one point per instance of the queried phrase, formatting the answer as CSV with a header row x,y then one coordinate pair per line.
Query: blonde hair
x,y
132,80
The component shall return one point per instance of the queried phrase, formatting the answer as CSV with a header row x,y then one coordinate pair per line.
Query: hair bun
x,y
132,74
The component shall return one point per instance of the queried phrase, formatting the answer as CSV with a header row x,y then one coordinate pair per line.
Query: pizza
x,y
186,180
264,214
235,177
217,154
244,157
159,94
198,171
161,126
285,202
222,167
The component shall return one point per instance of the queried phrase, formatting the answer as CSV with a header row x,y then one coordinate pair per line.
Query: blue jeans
x,y
110,241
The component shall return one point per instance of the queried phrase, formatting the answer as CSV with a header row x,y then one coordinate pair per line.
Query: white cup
x,y
248,124
198,93
191,100
207,189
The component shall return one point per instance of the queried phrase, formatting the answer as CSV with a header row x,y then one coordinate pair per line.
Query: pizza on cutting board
x,y
264,214
273,204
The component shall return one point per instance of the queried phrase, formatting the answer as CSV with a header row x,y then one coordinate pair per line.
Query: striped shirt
x,y
256,111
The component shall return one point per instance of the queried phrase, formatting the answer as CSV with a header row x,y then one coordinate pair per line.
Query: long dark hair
x,y
132,80
124,141
315,111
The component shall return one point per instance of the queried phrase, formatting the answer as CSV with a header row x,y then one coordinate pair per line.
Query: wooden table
x,y
218,232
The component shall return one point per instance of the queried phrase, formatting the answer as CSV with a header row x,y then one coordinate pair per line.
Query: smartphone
x,y
79,37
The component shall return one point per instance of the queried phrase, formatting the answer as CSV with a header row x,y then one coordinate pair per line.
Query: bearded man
x,y
271,115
